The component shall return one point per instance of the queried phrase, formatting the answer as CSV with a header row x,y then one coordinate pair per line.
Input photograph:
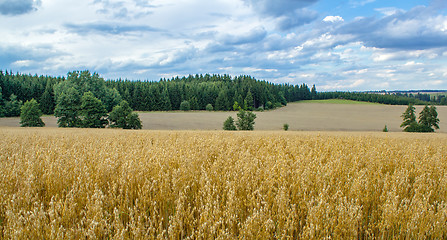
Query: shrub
x,y
185,106
285,127
209,107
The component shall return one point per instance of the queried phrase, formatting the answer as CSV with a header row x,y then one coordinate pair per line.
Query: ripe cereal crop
x,y
116,184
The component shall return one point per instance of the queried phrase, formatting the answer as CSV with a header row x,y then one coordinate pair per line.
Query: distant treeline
x,y
222,92
385,98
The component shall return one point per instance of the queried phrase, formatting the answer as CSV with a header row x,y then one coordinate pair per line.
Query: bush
x,y
385,129
229,124
185,106
209,107
285,126
268,105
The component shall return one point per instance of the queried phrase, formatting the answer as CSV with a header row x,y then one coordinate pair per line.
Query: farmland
x,y
320,115
86,183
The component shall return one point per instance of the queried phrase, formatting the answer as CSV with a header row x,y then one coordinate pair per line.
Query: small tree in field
x,y
30,114
245,120
229,124
428,119
409,124
285,126
123,117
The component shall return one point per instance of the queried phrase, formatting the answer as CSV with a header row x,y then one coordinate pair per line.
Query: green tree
x,y
236,106
2,106
246,120
221,101
285,126
123,117
229,124
92,112
409,120
184,106
12,107
47,100
249,101
67,108
434,120
30,114
111,98
428,119
165,102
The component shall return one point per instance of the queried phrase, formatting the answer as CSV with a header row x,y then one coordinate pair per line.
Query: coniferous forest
x,y
200,92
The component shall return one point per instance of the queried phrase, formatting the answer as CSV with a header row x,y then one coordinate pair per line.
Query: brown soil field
x,y
305,116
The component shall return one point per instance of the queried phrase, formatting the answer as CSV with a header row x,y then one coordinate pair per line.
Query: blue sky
x,y
336,45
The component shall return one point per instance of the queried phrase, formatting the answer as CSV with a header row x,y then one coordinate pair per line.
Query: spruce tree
x,y
229,124
409,120
47,100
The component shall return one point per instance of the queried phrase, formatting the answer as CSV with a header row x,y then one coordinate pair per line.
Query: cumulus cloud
x,y
18,7
333,19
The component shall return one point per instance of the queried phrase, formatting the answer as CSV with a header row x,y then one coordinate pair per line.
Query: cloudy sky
x,y
335,44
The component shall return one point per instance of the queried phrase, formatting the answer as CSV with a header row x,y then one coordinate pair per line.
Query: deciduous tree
x,y
30,114
93,114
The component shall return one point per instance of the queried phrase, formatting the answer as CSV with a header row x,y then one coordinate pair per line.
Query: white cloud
x,y
333,19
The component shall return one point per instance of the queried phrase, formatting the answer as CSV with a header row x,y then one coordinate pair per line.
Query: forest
x,y
201,92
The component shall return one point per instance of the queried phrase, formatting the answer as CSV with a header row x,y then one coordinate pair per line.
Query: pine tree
x,y
47,100
12,107
229,124
434,120
30,114
409,120
165,102
249,101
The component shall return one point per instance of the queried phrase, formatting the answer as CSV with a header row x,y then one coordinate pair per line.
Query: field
x,y
339,115
104,184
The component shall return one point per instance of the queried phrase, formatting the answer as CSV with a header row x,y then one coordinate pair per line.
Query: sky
x,y
345,45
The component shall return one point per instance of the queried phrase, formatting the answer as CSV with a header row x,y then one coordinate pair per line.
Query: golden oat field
x,y
115,184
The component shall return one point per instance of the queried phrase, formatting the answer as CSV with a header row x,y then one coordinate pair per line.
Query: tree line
x,y
195,92
390,99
